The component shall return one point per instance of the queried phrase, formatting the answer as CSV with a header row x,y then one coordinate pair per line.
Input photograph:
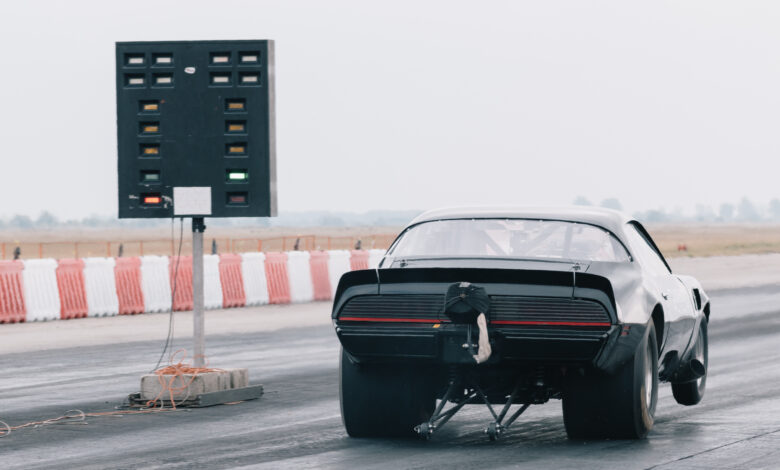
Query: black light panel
x,y
195,121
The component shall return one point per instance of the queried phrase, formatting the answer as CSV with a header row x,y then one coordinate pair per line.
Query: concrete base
x,y
206,382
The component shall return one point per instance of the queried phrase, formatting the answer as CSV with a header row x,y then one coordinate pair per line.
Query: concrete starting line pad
x,y
197,390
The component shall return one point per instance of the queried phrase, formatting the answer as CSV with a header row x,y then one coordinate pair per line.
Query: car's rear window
x,y
509,238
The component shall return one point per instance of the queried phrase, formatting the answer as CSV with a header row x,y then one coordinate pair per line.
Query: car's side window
x,y
643,251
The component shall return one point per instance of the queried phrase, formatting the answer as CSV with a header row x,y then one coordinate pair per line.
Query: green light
x,y
150,176
238,176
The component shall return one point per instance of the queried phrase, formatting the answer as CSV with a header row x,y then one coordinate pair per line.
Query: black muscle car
x,y
508,307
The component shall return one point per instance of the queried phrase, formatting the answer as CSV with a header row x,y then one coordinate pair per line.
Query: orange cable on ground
x,y
69,418
169,374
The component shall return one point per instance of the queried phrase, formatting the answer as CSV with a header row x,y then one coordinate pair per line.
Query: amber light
x,y
235,105
151,150
152,199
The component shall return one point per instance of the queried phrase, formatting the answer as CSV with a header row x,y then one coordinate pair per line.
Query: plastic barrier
x,y
338,264
358,260
70,283
12,308
40,289
232,281
155,283
299,270
212,288
100,286
374,257
320,279
128,285
255,281
182,291
278,279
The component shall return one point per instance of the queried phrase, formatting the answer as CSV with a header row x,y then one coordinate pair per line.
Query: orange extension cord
x,y
175,371
169,374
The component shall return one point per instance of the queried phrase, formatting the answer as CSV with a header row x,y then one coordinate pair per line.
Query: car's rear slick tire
x,y
379,400
620,406
691,393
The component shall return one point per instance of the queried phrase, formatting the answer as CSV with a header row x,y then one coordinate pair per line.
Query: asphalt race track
x,y
297,423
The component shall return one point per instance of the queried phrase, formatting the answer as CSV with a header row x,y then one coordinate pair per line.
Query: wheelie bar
x,y
472,394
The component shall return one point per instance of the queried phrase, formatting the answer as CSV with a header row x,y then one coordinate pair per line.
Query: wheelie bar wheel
x,y
493,431
424,430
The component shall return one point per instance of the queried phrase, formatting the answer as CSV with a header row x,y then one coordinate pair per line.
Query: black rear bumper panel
x,y
438,345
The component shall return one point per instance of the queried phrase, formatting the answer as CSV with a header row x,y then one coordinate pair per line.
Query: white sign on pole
x,y
192,200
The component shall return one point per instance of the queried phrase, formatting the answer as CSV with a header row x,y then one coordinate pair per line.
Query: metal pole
x,y
198,321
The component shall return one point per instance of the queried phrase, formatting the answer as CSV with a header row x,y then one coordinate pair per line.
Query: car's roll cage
x,y
610,232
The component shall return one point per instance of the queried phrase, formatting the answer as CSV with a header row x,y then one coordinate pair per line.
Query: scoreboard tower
x,y
195,127
196,137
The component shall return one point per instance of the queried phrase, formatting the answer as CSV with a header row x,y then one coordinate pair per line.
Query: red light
x,y
152,200
237,199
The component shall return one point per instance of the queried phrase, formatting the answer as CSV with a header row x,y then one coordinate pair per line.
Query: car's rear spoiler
x,y
388,280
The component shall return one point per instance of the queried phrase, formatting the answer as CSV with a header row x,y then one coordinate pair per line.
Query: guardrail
x,y
59,250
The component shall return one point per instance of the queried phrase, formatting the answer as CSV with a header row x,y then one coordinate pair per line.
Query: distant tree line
x,y
47,221
745,211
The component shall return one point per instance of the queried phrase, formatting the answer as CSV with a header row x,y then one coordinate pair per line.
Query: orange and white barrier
x,y
180,271
155,283
358,259
70,283
12,308
320,278
255,281
42,298
212,288
338,264
278,278
128,285
299,271
100,287
374,257
232,281
46,289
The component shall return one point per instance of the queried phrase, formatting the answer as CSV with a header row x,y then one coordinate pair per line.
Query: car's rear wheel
x,y
691,393
380,400
621,406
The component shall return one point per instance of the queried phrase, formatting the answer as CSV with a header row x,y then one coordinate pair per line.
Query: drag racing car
x,y
513,307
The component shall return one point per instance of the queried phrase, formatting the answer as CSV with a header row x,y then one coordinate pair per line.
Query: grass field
x,y
716,240
698,240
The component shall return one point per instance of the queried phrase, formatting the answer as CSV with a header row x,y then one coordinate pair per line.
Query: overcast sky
x,y
412,105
